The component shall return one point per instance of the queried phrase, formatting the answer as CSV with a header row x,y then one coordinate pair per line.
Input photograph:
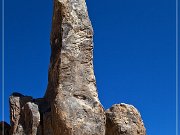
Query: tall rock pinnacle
x,y
72,87
70,105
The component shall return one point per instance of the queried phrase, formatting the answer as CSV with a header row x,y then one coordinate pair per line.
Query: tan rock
x,y
71,105
25,116
72,92
123,119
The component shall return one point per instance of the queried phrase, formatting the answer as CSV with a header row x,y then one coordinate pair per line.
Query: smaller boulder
x,y
124,119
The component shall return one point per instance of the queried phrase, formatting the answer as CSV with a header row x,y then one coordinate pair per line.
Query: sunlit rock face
x,y
124,119
24,115
72,87
70,105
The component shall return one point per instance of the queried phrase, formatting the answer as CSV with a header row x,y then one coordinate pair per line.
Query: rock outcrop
x,y
25,115
71,105
72,88
123,119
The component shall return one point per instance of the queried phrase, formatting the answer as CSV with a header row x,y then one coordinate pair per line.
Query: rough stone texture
x,y
17,102
25,116
4,128
71,105
75,106
123,119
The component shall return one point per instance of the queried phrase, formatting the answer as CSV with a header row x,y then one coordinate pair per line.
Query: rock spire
x,y
70,105
72,86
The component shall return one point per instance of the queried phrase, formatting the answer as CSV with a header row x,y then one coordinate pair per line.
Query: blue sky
x,y
134,54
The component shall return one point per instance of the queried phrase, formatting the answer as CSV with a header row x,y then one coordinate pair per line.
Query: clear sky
x,y
134,54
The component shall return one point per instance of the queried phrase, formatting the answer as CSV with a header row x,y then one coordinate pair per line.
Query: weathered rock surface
x,y
72,91
123,119
4,128
25,115
71,105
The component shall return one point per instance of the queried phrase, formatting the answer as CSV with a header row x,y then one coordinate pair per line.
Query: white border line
x,y
177,122
3,64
